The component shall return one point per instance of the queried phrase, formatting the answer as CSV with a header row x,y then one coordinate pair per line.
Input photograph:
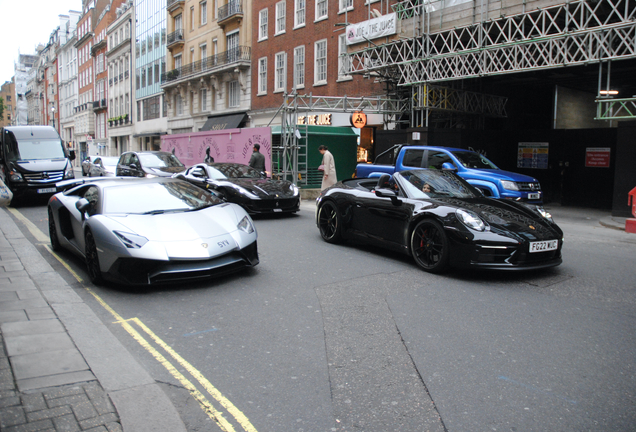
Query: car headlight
x,y
246,225
68,173
509,185
471,220
16,176
150,176
131,241
295,190
544,213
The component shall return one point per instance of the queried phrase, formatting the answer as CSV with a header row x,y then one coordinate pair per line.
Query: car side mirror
x,y
82,205
198,172
134,166
388,193
263,174
71,155
449,166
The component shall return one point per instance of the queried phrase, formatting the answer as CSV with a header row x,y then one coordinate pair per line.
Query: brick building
x,y
7,93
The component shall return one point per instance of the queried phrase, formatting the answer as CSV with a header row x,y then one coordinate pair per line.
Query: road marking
x,y
207,407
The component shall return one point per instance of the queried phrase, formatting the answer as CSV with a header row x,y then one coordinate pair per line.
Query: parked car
x,y
148,164
245,186
103,166
150,231
473,167
440,220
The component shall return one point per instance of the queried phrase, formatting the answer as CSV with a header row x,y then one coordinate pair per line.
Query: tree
x,y
1,108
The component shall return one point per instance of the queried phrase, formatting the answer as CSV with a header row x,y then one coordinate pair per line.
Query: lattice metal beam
x,y
428,96
573,33
616,109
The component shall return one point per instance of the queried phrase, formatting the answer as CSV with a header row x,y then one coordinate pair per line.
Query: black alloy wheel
x,y
55,241
429,246
330,223
92,260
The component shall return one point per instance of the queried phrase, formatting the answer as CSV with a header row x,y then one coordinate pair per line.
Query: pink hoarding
x,y
230,145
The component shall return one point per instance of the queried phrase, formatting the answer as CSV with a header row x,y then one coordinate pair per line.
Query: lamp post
x,y
53,114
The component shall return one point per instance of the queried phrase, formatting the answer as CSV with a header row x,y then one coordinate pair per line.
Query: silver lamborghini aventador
x,y
147,231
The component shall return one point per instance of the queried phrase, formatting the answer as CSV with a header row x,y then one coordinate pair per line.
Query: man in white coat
x,y
329,168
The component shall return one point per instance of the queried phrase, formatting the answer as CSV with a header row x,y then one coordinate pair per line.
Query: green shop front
x,y
341,141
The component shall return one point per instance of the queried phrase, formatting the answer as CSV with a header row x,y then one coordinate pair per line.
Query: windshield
x,y
34,149
159,160
474,160
435,184
109,161
156,197
238,171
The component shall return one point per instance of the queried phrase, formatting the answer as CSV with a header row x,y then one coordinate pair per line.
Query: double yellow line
x,y
214,414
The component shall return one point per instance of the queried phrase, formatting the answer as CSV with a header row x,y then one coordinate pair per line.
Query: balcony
x,y
175,39
99,104
229,13
217,63
174,4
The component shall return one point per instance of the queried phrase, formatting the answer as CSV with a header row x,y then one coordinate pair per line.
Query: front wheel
x,y
429,246
92,259
330,223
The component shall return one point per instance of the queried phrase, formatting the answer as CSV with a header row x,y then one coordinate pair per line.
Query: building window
x,y
191,18
262,25
279,72
203,53
262,76
178,104
320,62
299,67
233,100
299,15
178,23
157,74
345,5
344,61
203,10
203,101
321,9
177,61
280,17
233,49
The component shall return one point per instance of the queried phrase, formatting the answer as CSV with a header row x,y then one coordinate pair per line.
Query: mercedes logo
x,y
205,245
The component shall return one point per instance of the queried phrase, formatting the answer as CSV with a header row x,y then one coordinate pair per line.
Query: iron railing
x,y
241,53
175,36
231,8
171,2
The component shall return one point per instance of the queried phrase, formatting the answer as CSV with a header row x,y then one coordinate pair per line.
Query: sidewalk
x,y
61,369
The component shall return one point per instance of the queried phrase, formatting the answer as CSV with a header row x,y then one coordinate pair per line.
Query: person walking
x,y
257,161
328,168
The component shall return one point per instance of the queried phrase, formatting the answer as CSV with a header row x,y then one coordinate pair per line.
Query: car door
x,y
74,220
123,166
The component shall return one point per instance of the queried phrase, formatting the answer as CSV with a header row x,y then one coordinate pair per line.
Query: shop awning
x,y
148,134
224,122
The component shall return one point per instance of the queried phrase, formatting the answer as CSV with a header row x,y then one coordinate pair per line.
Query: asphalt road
x,y
322,337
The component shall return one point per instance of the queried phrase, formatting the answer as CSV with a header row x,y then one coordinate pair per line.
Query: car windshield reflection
x,y
435,184
474,160
156,198
234,171
159,160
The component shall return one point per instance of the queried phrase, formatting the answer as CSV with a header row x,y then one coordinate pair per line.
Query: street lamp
x,y
53,113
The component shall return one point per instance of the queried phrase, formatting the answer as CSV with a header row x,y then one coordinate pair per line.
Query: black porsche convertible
x,y
245,186
441,220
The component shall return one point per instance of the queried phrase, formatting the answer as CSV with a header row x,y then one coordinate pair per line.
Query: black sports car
x,y
243,185
441,220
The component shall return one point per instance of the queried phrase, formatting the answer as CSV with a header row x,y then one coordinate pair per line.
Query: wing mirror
x,y
449,166
82,205
198,172
71,155
388,193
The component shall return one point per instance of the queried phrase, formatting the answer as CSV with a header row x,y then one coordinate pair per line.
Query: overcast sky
x,y
25,24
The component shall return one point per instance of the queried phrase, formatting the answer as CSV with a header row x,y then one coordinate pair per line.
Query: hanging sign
x,y
597,157
385,25
358,119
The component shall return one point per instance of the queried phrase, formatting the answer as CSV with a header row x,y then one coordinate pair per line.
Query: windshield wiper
x,y
154,212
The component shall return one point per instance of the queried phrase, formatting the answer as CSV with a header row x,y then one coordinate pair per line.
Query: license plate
x,y
543,246
47,190
278,210
534,195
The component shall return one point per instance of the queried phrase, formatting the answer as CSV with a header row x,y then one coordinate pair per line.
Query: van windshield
x,y
34,149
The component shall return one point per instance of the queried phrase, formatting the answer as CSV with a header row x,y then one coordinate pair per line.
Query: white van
x,y
33,159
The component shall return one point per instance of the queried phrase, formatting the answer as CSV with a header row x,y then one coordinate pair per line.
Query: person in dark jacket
x,y
257,161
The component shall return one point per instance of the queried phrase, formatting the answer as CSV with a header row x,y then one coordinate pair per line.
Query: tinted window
x,y
474,160
238,171
436,159
435,184
157,196
159,160
413,158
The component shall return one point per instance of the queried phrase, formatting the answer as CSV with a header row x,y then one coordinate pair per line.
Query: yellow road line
x,y
235,412
207,407
205,404
39,235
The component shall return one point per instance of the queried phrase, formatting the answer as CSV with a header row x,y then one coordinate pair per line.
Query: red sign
x,y
597,157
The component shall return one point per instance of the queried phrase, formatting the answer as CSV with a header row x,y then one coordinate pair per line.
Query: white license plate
x,y
543,246
534,195
47,190
278,210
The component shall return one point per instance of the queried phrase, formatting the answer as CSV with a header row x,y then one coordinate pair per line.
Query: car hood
x,y
490,174
182,226
164,171
506,216
41,165
264,188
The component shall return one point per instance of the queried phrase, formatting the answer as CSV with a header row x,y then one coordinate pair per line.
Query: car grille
x,y
529,186
512,256
44,177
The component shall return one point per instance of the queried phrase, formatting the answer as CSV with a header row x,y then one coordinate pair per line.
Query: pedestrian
x,y
328,168
257,161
